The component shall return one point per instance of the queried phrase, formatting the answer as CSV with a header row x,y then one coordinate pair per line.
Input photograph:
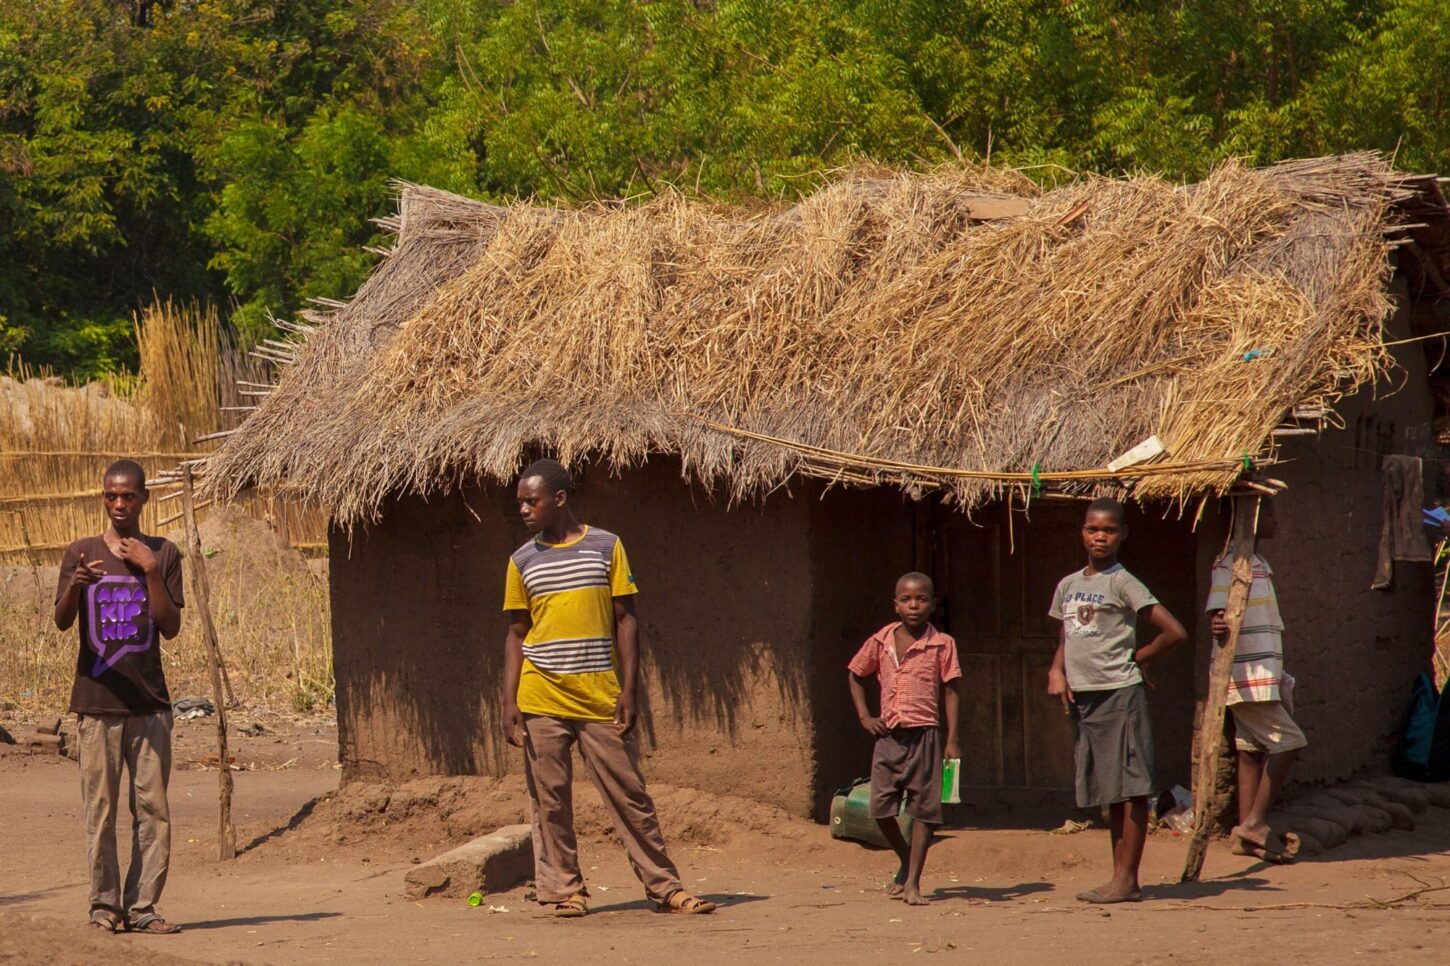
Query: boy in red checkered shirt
x,y
917,668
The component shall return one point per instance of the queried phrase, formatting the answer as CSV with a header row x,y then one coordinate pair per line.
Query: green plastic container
x,y
951,788
851,817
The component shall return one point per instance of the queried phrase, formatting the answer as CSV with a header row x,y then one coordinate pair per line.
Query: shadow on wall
x,y
416,635
418,630
723,598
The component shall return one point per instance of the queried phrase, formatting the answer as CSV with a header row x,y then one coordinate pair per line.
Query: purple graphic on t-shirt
x,y
113,605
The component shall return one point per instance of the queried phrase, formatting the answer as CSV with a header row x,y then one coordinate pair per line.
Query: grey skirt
x,y
1112,744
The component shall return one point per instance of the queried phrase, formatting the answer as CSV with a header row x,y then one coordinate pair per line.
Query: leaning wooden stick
x,y
1210,729
226,834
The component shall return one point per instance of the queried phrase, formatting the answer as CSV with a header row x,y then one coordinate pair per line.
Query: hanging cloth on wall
x,y
1402,531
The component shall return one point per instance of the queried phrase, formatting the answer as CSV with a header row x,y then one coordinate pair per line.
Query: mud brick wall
x,y
725,613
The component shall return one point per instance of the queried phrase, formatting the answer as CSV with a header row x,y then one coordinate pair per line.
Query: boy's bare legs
x,y
1251,769
907,882
1261,778
891,830
1128,826
920,842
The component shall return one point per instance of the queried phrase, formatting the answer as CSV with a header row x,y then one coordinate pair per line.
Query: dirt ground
x,y
321,880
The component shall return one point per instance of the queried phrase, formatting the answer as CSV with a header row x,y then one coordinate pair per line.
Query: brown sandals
x,y
573,907
684,904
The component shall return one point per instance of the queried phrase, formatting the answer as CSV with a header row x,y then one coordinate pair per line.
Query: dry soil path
x,y
1001,896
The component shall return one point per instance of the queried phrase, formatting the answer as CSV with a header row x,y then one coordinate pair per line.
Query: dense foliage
x,y
234,150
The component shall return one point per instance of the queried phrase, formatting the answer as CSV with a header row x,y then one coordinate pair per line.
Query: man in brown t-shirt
x,y
126,588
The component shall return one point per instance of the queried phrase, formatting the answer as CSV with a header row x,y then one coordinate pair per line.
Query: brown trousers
x,y
613,763
142,744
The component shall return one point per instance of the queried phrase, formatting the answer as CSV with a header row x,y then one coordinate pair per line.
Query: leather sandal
x,y
574,907
683,903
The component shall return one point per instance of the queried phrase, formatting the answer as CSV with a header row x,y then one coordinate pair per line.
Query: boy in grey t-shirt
x,y
1095,674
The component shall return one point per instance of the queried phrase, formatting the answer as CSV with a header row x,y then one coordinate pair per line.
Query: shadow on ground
x,y
259,920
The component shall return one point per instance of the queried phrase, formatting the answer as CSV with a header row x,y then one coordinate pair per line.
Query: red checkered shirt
x,y
910,688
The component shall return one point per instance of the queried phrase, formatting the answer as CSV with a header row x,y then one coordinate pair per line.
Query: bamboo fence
x,y
56,440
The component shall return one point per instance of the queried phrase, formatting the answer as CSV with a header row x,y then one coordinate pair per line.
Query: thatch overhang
x,y
959,330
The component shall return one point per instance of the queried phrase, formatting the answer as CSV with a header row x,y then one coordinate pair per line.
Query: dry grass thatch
x,y
880,331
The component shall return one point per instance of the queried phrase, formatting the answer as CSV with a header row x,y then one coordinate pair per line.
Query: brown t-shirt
x,y
118,667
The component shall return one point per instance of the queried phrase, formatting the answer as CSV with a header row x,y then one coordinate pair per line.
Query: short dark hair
x,y
553,474
917,577
127,469
1106,504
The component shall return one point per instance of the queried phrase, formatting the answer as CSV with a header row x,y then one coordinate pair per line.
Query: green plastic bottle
x,y
476,900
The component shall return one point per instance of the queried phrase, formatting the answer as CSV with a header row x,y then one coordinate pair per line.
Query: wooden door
x,y
995,587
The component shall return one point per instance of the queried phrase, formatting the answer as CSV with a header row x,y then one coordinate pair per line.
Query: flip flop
x,y
1098,899
154,925
105,924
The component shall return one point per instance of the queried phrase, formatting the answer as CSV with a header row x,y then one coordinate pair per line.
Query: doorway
x,y
995,575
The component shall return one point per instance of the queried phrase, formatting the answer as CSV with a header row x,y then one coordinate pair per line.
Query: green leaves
x,y
235,150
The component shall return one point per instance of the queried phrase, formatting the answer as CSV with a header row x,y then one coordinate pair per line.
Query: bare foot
x,y
1261,843
914,897
1111,893
897,886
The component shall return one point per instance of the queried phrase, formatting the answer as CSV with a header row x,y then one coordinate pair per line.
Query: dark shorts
x,y
907,762
1112,743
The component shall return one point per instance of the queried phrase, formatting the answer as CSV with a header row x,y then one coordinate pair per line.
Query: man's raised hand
x,y
87,572
136,553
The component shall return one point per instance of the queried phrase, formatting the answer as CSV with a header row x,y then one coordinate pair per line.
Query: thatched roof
x,y
960,329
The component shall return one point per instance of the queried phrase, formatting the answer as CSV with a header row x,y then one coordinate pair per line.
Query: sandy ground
x,y
789,894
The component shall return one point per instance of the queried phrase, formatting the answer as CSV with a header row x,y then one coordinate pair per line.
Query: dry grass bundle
x,y
186,360
876,332
270,607
56,440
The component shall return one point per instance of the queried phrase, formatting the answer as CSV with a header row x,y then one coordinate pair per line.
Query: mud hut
x,y
781,408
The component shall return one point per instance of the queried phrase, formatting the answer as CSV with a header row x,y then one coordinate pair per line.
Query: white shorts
x,y
1265,726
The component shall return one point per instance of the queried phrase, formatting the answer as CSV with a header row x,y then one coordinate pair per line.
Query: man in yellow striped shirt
x,y
571,667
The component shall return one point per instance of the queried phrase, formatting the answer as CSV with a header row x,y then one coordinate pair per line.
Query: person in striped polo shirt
x,y
571,663
1260,698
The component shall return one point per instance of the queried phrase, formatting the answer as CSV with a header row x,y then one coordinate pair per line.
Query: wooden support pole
x,y
226,834
1210,737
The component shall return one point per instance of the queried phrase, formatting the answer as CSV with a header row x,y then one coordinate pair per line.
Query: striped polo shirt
x,y
1258,669
568,589
911,686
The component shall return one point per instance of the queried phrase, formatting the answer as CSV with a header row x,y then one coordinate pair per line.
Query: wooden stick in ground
x,y
1210,730
226,834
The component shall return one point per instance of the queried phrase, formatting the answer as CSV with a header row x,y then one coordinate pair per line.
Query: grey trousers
x,y
141,743
613,763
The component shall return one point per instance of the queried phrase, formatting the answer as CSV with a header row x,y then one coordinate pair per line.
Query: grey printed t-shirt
x,y
1100,614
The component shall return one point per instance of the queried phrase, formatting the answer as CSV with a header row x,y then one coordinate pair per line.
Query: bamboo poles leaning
x,y
1209,737
226,833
